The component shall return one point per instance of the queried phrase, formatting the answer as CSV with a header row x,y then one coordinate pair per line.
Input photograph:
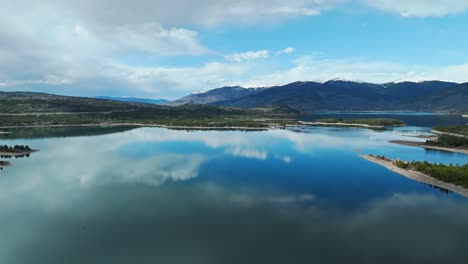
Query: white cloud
x,y
287,50
420,8
156,39
97,47
250,55
209,13
309,68
91,47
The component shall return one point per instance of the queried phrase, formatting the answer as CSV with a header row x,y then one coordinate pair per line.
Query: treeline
x,y
456,174
191,115
449,141
14,149
365,121
461,130
380,157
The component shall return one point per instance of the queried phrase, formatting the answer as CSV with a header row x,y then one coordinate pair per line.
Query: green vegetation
x,y
365,121
25,102
380,157
187,115
456,174
15,149
459,130
449,141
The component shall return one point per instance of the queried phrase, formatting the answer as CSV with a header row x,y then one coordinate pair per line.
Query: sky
x,y
168,49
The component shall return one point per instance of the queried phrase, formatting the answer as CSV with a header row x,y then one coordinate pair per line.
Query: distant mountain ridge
x,y
216,95
33,102
342,95
135,100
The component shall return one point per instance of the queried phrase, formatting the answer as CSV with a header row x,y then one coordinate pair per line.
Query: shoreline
x,y
339,124
425,146
437,132
148,125
418,176
16,154
427,137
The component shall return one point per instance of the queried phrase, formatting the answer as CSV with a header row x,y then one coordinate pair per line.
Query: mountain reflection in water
x,y
152,195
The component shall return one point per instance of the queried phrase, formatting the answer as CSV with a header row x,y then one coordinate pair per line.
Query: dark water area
x,y
152,195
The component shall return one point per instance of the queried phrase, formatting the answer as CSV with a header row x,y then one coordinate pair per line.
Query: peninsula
x,y
375,123
449,177
452,139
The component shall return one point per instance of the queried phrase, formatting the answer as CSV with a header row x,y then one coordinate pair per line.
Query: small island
x,y
15,151
375,123
450,177
449,138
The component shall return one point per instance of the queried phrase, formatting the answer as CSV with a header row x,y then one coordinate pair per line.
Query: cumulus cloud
x,y
43,45
420,8
96,47
86,47
307,68
250,55
208,13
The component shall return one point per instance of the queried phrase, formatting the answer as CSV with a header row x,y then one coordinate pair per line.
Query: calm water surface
x,y
150,195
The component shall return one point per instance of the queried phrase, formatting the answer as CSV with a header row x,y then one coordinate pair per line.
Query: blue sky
x,y
162,49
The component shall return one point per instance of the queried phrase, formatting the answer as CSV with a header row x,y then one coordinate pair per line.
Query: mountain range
x,y
334,95
342,95
135,100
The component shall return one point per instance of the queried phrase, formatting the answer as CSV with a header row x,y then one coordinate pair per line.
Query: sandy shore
x,y
418,176
424,145
338,124
428,137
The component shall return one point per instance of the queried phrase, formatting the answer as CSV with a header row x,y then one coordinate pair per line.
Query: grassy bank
x,y
449,141
451,177
458,130
381,122
456,174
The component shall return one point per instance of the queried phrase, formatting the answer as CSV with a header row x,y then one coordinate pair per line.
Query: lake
x,y
152,195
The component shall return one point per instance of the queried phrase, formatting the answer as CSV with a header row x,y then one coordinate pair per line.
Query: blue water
x,y
300,195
